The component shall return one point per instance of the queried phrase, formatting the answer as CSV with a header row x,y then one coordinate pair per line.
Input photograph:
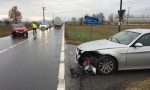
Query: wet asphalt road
x,y
32,64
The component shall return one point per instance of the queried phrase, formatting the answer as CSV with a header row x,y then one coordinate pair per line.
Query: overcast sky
x,y
32,9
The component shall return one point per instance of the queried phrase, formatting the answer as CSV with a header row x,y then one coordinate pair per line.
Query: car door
x,y
139,56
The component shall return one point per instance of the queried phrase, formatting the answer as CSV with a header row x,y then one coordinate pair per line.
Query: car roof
x,y
142,31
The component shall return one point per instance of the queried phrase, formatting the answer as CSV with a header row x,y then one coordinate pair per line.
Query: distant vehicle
x,y
50,25
44,26
57,22
19,29
129,49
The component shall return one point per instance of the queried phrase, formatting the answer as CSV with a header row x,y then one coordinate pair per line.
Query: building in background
x,y
133,20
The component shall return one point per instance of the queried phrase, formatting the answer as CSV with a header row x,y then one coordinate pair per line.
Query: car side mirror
x,y
138,45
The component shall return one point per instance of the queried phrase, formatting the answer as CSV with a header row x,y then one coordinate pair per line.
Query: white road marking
x,y
14,45
62,56
61,71
17,44
61,75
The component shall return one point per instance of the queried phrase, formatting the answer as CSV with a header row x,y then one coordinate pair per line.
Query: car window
x,y
145,40
18,25
124,37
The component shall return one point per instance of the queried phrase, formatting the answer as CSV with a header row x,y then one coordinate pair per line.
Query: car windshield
x,y
18,25
43,23
124,37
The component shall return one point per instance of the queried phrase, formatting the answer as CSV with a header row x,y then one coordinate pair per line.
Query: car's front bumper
x,y
20,32
78,53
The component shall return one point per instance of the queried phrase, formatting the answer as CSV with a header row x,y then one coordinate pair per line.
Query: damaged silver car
x,y
129,49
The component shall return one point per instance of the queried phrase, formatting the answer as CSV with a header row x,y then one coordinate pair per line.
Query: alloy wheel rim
x,y
106,66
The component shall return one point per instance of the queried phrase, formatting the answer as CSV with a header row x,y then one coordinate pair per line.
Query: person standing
x,y
34,27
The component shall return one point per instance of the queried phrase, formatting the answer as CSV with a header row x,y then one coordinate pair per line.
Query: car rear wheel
x,y
106,65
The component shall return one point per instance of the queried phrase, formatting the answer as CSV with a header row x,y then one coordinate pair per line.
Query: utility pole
x,y
128,15
53,16
120,19
44,8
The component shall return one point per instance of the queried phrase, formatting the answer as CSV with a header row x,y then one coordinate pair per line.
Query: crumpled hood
x,y
100,44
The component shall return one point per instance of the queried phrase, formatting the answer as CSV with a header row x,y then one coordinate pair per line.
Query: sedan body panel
x,y
138,56
119,53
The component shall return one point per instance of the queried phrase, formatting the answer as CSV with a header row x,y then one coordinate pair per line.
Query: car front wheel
x,y
106,65
26,34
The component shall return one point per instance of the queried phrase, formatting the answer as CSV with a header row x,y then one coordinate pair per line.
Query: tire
x,y
13,34
26,34
106,65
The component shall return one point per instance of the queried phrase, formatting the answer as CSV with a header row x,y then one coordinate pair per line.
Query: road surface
x,y
30,64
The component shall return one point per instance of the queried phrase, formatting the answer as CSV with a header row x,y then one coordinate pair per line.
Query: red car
x,y
19,29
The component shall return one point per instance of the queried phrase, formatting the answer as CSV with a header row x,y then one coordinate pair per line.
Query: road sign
x,y
121,13
91,20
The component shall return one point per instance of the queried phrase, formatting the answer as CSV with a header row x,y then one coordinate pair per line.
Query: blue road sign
x,y
91,20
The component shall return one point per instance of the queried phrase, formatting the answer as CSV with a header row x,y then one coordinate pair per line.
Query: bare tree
x,y
15,14
101,17
147,16
94,15
81,20
111,16
1,21
6,21
143,16
87,14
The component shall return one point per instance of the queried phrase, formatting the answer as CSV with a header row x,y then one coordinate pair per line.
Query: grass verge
x,y
5,30
139,85
76,34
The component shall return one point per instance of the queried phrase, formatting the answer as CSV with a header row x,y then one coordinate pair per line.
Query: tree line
x,y
104,20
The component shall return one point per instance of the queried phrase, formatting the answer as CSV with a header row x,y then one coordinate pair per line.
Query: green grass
x,y
76,34
5,30
139,85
